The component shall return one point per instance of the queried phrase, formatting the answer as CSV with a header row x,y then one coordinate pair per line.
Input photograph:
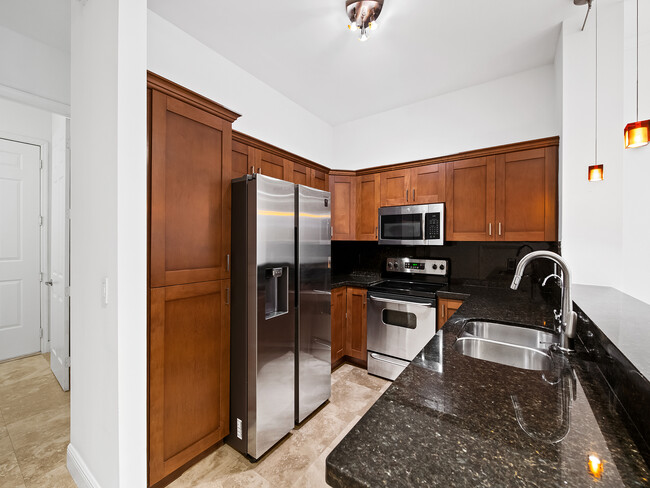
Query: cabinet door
x,y
318,179
190,172
189,373
526,195
338,323
355,334
242,159
270,165
446,308
367,207
428,184
395,188
470,200
296,173
343,201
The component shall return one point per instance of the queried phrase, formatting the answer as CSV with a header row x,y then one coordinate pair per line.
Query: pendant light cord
x,y
637,59
596,97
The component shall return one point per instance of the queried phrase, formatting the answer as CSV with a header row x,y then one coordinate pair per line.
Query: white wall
x,y
592,238
108,241
636,197
266,114
511,109
33,72
23,120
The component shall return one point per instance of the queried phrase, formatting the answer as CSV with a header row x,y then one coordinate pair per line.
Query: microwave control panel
x,y
438,267
432,226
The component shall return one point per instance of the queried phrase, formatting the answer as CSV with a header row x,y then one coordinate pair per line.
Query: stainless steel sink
x,y
512,334
504,353
511,345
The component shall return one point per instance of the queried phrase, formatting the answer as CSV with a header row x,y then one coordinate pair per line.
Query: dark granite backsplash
x,y
478,262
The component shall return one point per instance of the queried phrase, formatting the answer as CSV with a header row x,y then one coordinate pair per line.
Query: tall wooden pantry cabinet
x,y
190,151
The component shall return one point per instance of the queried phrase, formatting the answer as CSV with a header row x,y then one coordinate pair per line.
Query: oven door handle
x,y
399,302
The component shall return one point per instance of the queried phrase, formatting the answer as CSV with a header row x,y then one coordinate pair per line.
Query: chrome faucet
x,y
568,318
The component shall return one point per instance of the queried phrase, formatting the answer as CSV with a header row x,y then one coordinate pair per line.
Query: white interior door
x,y
20,297
60,253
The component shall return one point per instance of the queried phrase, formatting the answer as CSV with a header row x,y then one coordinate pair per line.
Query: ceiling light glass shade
x,y
352,27
363,35
637,134
374,26
596,172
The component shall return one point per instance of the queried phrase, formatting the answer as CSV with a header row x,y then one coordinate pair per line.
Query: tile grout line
x,y
13,448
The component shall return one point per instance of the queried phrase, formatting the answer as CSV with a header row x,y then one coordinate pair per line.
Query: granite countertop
x,y
451,420
357,279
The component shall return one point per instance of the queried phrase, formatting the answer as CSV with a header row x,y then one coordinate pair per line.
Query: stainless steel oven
x,y
415,225
402,313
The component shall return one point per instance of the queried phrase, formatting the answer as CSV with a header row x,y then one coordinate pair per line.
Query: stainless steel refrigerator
x,y
280,340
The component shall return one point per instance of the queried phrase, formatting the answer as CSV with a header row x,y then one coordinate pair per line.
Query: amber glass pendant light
x,y
596,172
637,134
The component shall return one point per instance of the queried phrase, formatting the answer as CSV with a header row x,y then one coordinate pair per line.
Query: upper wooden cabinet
x,y
270,165
343,189
470,200
395,187
428,184
319,179
507,197
190,175
526,195
419,185
367,207
242,159
296,172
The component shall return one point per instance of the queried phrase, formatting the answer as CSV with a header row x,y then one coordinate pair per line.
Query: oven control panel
x,y
438,267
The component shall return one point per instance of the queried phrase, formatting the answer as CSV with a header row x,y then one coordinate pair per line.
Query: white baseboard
x,y
79,471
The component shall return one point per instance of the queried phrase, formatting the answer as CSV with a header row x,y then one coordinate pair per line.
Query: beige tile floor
x,y
299,460
34,425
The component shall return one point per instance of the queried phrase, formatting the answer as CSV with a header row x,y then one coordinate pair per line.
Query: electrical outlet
x,y
511,264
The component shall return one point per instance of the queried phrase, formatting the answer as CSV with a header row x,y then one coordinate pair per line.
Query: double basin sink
x,y
511,345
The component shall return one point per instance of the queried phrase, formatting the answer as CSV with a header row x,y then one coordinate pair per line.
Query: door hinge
x,y
67,291
41,333
41,276
41,164
68,213
40,220
66,362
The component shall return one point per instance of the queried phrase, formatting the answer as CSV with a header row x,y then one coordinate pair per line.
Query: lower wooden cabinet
x,y
339,311
355,334
349,311
189,373
446,308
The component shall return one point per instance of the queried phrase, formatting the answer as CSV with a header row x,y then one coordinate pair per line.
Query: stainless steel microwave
x,y
412,225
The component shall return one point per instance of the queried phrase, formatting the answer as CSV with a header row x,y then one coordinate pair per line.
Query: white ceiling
x,y
423,48
46,21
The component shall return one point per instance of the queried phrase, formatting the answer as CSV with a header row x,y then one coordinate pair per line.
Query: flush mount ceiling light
x,y
637,134
363,16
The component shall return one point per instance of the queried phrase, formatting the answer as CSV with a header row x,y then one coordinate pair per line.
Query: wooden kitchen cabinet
x,y
319,179
415,186
339,312
191,163
270,165
526,195
428,184
355,333
343,189
189,373
395,187
470,200
190,171
367,207
446,308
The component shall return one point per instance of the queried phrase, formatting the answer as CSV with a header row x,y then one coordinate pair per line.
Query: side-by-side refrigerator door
x,y
271,391
313,340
